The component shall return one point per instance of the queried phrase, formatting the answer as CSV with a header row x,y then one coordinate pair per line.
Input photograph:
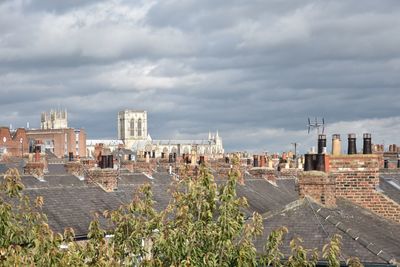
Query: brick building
x,y
13,143
61,142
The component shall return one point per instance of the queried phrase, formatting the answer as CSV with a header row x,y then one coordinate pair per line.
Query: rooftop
x,y
71,202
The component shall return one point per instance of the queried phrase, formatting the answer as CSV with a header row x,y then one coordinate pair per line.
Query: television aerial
x,y
316,124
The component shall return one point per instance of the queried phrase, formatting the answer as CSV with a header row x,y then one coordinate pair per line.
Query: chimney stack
x,y
336,145
321,143
262,161
367,149
71,156
309,162
110,161
320,164
352,144
255,161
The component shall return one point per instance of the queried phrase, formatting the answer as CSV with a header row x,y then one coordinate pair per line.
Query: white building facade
x,y
132,130
55,119
132,127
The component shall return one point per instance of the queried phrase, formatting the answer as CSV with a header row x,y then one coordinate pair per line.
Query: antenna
x,y
295,144
316,125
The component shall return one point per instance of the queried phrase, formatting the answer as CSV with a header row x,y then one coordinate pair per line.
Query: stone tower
x,y
132,126
55,119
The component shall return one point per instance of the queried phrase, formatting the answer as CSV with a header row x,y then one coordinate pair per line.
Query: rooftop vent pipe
x,y
367,148
352,144
310,162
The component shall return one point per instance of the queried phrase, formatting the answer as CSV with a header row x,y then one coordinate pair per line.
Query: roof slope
x,y
391,186
364,235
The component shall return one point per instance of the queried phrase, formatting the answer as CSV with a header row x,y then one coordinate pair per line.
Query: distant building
x,y
13,143
55,119
108,143
132,130
56,137
61,142
132,127
162,148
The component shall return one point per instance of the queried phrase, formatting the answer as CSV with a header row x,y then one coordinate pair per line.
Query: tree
x,y
203,225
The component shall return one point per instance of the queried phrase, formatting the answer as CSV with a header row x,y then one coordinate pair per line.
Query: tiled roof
x,y
390,185
364,235
263,196
70,202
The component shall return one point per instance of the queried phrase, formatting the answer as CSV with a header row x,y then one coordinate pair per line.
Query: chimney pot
x,y
321,143
352,144
255,161
367,148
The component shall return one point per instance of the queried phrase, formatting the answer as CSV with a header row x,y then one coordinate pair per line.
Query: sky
x,y
254,70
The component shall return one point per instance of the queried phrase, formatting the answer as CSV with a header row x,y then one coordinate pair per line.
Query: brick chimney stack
x,y
318,185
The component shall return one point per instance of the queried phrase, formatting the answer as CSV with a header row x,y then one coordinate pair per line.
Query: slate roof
x,y
364,234
390,185
19,164
75,206
70,202
263,196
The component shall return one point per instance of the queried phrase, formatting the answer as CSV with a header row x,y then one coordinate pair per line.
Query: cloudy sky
x,y
253,69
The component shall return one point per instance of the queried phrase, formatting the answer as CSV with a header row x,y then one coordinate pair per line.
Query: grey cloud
x,y
255,70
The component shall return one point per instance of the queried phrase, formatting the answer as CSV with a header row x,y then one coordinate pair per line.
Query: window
x,y
122,129
139,126
132,127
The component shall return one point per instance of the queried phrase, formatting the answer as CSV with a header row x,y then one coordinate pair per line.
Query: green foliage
x,y
203,225
331,251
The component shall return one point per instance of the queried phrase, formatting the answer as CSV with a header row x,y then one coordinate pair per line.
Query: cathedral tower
x,y
55,119
132,126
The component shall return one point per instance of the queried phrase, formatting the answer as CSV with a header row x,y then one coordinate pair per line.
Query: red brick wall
x,y
139,166
357,177
291,172
34,168
74,168
320,186
106,178
13,144
58,137
264,173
